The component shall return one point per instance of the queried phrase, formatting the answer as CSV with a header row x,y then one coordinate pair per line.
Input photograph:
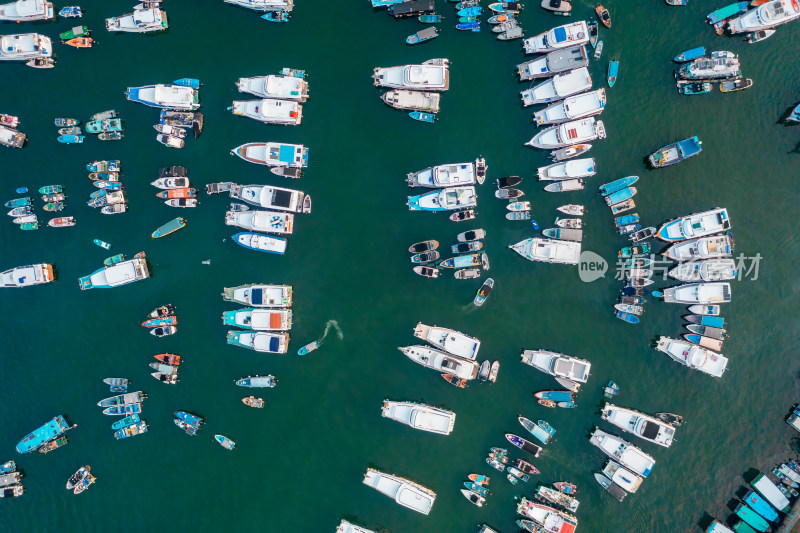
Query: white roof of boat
x,y
624,452
454,342
433,75
173,94
283,85
771,493
260,318
23,8
622,476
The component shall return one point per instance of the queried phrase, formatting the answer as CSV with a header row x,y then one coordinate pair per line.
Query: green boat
x,y
77,31
102,244
51,189
114,259
742,527
752,518
170,227
99,126
29,226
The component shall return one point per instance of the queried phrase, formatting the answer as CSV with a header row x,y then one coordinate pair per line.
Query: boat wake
x,y
335,325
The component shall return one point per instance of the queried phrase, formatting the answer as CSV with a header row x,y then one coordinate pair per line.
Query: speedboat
x,y
116,275
259,341
264,221
702,248
420,416
273,154
449,340
272,86
260,242
442,362
405,492
270,197
623,452
259,319
165,96
553,63
693,356
572,108
256,295
441,176
566,36
548,250
431,75
444,199
708,270
27,11
568,134
140,21
765,16
27,276
25,46
575,168
639,424
269,111
699,293
696,225
558,87
558,365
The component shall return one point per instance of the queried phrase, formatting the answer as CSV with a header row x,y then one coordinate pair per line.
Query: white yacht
x,y
639,424
693,356
574,168
558,365
24,46
708,270
259,341
444,199
116,275
348,527
558,87
572,108
548,250
264,221
140,21
699,293
568,35
568,134
420,416
432,75
27,276
550,518
273,86
27,11
257,295
553,63
165,96
412,100
623,452
273,154
440,176
264,5
405,492
449,340
702,248
622,476
442,362
720,64
269,111
270,197
765,16
259,319
696,225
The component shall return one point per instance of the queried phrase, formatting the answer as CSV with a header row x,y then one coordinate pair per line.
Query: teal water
x,y
299,462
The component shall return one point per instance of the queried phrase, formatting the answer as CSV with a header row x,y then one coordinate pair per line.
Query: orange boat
x,y
547,403
80,42
186,192
454,380
169,358
603,15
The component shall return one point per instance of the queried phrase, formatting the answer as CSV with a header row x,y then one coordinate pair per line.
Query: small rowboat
x,y
613,71
225,442
163,321
170,227
188,82
453,380
310,347
102,244
603,15
422,116
61,222
252,401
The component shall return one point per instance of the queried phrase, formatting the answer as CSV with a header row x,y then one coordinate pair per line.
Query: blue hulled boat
x,y
123,410
131,431
225,442
70,139
618,185
188,82
695,88
260,242
473,26
759,505
422,116
689,55
794,116
613,71
276,16
127,421
70,12
627,317
470,12
752,518
41,435
555,395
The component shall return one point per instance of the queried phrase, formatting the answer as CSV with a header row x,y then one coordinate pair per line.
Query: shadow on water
x,y
750,475
705,521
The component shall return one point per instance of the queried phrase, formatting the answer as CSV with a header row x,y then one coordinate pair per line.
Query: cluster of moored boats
x,y
415,88
162,322
175,190
110,197
699,72
279,98
178,102
22,211
127,405
10,481
265,321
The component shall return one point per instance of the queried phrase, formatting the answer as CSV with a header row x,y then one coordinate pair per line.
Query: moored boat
x,y
259,319
257,381
420,416
170,227
258,295
441,361
260,341
639,424
406,493
252,401
225,442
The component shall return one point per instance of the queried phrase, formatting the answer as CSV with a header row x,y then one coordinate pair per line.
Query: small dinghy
x,y
460,216
493,372
479,479
423,35
467,273
519,206
225,442
518,215
471,235
425,257
426,271
508,181
422,116
430,19
252,401
507,193
423,246
454,380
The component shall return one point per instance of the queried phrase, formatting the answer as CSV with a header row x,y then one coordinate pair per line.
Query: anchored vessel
x,y
553,63
25,46
548,250
693,356
26,276
256,295
273,86
165,96
558,365
140,21
639,424
27,11
696,225
432,75
449,340
420,416
441,176
405,492
623,452
442,362
568,35
116,275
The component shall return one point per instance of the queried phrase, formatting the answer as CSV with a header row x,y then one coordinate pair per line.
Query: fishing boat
x,y
422,116
430,19
558,87
613,72
639,424
404,492
110,136
420,416
112,165
483,292
565,487
752,519
694,88
471,26
131,430
252,401
557,497
738,84
259,319
257,381
41,435
125,422
21,211
51,445
123,399
158,322
276,16
225,442
460,216
771,494
123,410
568,35
75,32
759,35
690,55
257,295
260,341
717,65
549,518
